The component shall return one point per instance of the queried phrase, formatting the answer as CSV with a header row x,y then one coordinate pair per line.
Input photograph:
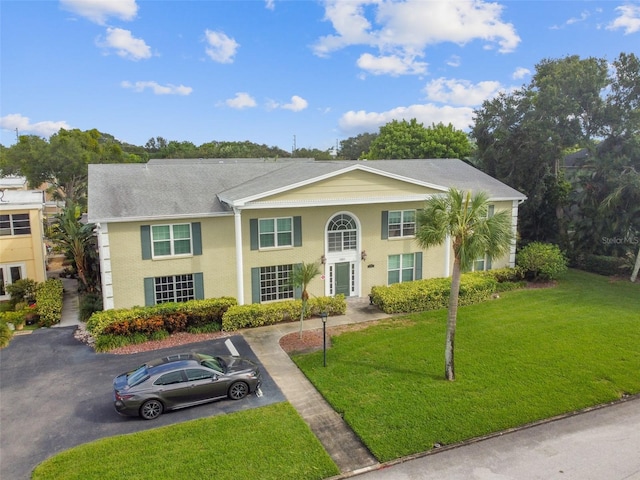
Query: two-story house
x,y
174,230
22,248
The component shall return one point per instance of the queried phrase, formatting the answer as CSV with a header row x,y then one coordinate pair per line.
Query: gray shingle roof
x,y
194,187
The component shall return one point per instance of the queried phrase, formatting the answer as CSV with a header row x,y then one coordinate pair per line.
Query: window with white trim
x,y
275,283
275,232
171,240
174,288
15,224
342,234
402,223
401,268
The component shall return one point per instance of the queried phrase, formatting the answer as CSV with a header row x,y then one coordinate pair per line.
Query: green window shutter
x,y
385,224
418,266
196,238
255,285
297,231
149,292
145,240
488,266
198,283
253,233
491,210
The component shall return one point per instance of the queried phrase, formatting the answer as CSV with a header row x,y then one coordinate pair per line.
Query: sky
x,y
295,73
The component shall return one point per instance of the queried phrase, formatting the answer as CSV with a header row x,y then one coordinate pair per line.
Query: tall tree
x,y
77,241
463,217
301,278
402,139
354,148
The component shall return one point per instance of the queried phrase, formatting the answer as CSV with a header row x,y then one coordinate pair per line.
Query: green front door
x,y
343,278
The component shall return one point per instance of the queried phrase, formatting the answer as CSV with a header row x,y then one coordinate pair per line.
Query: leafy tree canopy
x,y
402,139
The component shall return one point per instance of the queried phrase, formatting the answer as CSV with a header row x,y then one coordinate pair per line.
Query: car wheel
x,y
151,409
238,390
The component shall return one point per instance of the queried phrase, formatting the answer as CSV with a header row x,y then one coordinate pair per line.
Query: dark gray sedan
x,y
183,380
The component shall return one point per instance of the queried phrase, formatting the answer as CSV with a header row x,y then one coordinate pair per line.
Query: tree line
x,y
569,140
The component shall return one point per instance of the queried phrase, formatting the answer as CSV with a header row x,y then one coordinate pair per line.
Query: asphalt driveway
x,y
56,393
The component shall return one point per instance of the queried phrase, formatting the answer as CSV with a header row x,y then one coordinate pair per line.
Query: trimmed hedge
x,y
433,293
604,265
49,302
172,317
258,315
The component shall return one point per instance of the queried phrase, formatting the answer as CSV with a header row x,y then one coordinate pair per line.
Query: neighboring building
x,y
22,248
175,230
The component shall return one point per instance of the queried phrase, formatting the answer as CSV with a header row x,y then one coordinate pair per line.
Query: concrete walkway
x,y
342,444
70,306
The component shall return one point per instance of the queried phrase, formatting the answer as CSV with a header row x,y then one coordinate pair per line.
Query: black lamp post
x,y
324,338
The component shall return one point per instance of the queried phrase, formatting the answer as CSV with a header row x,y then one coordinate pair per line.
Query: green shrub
x,y
542,261
258,315
5,334
207,328
433,293
49,301
89,304
197,312
604,265
23,290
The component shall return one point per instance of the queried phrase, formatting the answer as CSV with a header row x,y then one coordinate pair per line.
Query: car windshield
x,y
215,363
137,376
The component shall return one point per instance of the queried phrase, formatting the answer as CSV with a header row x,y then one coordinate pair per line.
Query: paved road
x,y
56,393
602,444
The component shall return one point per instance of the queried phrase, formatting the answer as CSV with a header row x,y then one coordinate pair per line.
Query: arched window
x,y
342,233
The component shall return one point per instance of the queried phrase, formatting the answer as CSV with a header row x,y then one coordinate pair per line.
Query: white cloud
x,y
521,73
454,61
240,101
297,103
158,89
125,44
99,10
461,92
24,126
221,48
629,19
352,122
390,65
404,29
269,4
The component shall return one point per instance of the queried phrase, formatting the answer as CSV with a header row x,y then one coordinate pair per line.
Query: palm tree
x,y
626,197
463,217
301,278
75,240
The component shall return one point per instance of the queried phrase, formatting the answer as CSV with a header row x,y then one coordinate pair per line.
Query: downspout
x,y
239,263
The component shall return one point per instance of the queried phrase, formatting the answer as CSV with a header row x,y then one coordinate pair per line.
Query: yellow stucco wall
x,y
27,250
218,261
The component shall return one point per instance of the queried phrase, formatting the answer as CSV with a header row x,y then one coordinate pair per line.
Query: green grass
x,y
271,442
530,355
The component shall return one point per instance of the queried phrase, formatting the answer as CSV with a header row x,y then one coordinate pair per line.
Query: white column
x,y
106,277
514,231
239,276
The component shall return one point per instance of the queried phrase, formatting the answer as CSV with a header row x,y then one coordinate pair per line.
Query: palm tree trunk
x,y
636,268
449,367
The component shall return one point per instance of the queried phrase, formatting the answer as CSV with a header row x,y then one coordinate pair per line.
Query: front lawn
x,y
267,443
529,355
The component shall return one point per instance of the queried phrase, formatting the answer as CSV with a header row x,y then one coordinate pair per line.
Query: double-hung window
x,y
15,224
401,268
275,232
171,240
402,223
